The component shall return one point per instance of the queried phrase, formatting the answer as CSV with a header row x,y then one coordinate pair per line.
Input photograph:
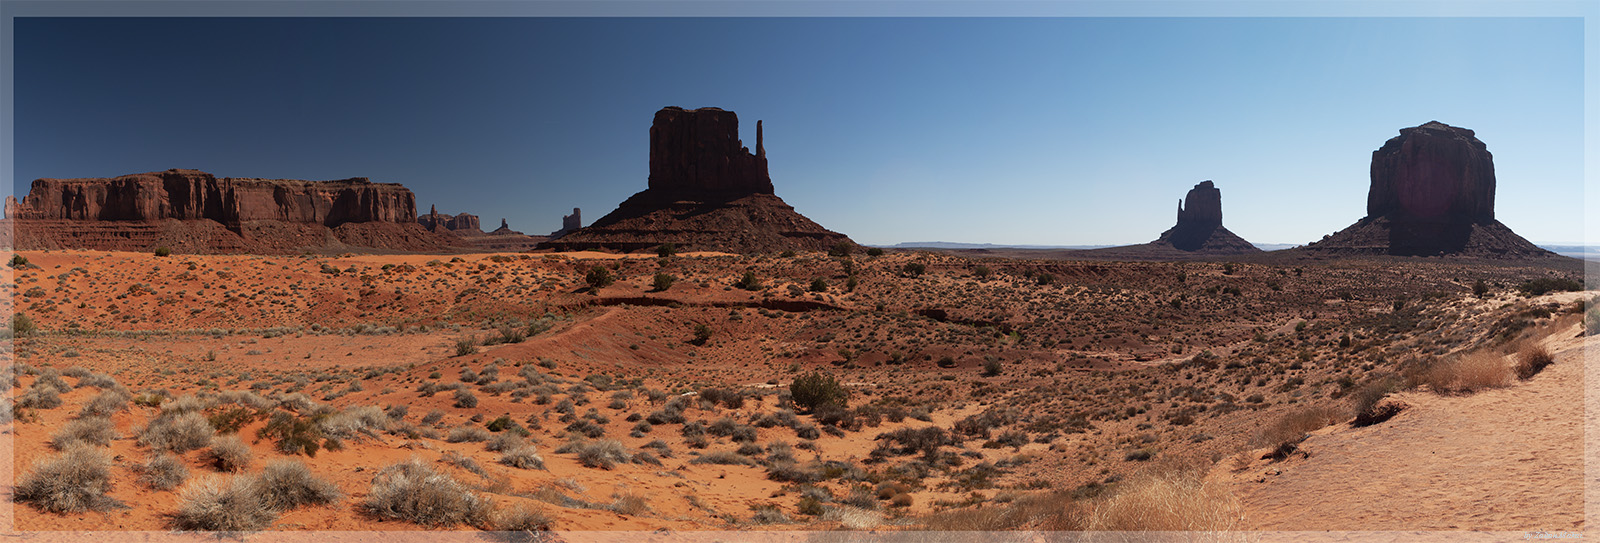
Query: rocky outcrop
x,y
465,223
194,211
569,223
706,192
1432,194
504,230
195,195
698,151
1434,173
1199,227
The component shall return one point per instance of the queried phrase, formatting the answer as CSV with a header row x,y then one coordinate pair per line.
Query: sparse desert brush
x,y
163,471
466,346
629,503
96,431
230,420
71,482
465,399
726,458
229,453
1367,405
297,435
814,390
39,397
288,484
1167,500
413,492
1469,372
603,454
853,518
505,441
522,457
1532,360
105,404
215,504
1050,511
185,404
356,422
468,433
177,433
522,522
1289,430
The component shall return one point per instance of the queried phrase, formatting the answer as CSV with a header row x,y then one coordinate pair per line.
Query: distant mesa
x,y
194,211
1432,194
466,224
569,224
467,233
706,191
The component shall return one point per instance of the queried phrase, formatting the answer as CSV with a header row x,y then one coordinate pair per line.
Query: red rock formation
x,y
194,211
1433,173
195,195
706,192
1432,194
698,150
464,224
1199,233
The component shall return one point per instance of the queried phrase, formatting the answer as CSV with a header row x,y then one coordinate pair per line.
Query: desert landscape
x,y
202,354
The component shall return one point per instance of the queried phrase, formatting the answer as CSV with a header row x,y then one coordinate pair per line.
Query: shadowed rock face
x,y
707,192
1434,173
1432,194
1199,227
698,150
192,194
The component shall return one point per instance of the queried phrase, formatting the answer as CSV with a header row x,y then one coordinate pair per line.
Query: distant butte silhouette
x,y
1432,194
706,191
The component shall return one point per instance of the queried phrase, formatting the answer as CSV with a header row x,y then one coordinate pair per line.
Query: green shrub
x,y
1546,285
163,251
841,249
749,281
598,278
702,334
667,249
18,261
663,281
819,285
817,389
914,269
296,435
22,325
874,252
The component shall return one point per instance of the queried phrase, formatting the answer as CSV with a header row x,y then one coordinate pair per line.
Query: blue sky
x,y
1028,131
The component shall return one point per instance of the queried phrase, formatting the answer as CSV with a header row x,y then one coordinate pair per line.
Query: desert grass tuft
x,y
97,431
229,453
216,504
1532,360
74,481
288,484
413,492
1167,501
163,472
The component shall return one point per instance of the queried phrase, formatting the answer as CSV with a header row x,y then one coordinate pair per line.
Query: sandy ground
x,y
1503,460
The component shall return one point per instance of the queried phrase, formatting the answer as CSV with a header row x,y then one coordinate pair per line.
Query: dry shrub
x,y
1532,360
524,457
39,397
1167,500
413,492
229,454
105,404
356,422
184,431
630,503
74,481
1292,427
218,505
853,518
163,472
523,523
287,484
1052,511
1469,372
97,431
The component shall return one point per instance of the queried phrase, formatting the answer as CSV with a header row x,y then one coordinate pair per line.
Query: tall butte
x,y
706,192
1199,228
1432,194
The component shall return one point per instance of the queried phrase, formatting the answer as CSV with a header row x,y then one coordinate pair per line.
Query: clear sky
x,y
1059,131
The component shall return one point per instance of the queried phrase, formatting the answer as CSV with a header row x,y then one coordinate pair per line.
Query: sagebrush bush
x,y
603,454
465,399
523,522
177,433
356,422
73,481
105,404
288,484
1290,429
163,472
39,397
468,433
413,492
216,504
523,457
96,431
297,435
229,453
814,390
